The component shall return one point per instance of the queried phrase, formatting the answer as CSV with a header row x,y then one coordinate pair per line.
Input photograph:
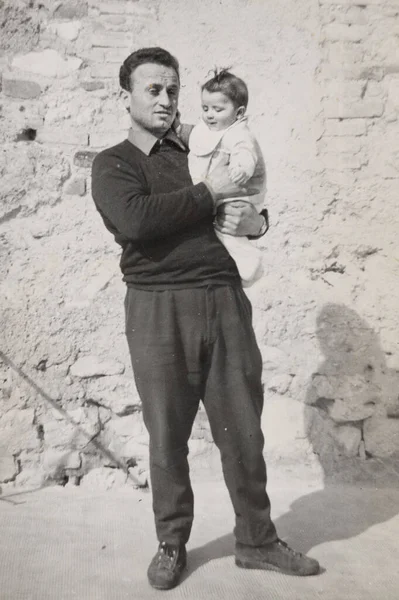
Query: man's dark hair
x,y
158,56
228,84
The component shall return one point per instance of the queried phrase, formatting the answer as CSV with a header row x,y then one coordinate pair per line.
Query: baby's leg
x,y
247,257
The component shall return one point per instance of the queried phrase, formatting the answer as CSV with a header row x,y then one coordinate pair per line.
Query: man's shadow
x,y
352,385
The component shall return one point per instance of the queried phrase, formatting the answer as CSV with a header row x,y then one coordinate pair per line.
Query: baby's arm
x,y
243,159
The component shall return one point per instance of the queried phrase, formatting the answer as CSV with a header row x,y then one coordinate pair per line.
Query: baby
x,y
223,136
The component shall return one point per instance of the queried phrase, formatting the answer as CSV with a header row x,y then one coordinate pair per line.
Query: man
x,y
188,321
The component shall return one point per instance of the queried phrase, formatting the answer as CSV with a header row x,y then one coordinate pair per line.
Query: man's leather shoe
x,y
277,556
167,566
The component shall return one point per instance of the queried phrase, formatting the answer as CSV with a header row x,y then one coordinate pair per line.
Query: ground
x,y
76,543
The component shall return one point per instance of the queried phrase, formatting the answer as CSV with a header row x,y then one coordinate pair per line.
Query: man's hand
x,y
222,187
238,218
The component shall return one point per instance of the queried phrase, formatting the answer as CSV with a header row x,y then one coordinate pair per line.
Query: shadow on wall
x,y
352,405
349,404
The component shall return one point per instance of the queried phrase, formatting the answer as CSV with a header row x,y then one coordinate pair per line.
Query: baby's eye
x,y
205,108
218,109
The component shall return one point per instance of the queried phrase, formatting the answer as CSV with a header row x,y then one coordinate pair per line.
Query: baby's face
x,y
218,111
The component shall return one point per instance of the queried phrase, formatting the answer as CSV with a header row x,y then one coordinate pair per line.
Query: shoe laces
x,y
166,553
289,549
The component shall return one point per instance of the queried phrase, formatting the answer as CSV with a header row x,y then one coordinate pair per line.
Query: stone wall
x,y
324,100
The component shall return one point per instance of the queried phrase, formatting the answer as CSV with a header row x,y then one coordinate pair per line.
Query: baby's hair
x,y
228,84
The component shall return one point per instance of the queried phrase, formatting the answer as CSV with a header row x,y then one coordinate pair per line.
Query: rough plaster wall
x,y
324,97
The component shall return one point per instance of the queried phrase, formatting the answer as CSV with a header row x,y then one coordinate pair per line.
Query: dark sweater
x,y
162,221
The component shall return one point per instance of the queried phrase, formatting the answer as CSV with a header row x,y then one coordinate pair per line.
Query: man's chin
x,y
163,125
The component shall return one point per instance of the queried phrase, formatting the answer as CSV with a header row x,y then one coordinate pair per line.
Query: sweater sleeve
x,y
120,194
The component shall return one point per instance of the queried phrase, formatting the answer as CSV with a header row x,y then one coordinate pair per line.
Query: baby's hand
x,y
176,125
238,176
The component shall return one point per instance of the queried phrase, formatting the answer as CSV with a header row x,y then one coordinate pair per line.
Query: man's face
x,y
154,97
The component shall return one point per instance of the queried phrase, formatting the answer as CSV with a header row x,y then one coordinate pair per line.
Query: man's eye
x,y
153,92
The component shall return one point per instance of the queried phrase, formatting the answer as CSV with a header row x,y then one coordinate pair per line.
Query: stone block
x,y
138,477
60,135
55,462
130,426
126,8
352,15
116,393
74,433
279,383
114,55
71,9
104,139
343,410
343,396
97,55
341,89
352,72
381,436
125,448
104,478
114,22
8,468
17,431
91,86
284,428
338,31
93,366
111,40
84,158
273,358
348,438
336,127
343,109
32,477
104,71
391,68
342,160
76,186
48,63
119,401
342,55
20,88
68,31
349,143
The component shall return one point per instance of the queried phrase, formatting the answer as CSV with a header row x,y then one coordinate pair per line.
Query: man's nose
x,y
164,98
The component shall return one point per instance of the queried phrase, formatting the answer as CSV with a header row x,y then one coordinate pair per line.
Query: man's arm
x,y
119,194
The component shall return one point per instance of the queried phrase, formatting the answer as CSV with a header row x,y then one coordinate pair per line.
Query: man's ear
x,y
240,112
125,97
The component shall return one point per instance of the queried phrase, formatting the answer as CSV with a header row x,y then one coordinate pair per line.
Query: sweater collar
x,y
145,141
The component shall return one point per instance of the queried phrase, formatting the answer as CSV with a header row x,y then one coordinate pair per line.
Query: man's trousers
x,y
188,345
